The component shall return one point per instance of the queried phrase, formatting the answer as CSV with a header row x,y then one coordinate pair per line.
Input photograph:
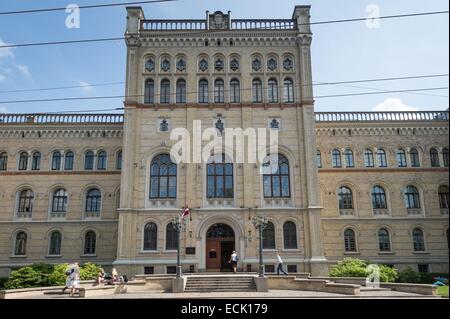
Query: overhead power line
x,y
164,34
314,84
195,92
62,87
84,7
382,92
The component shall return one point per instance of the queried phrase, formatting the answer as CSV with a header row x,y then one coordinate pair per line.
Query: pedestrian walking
x,y
233,260
74,279
280,265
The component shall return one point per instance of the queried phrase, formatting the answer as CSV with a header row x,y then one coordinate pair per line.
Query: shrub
x,y
353,267
408,275
89,271
58,276
26,277
350,267
3,282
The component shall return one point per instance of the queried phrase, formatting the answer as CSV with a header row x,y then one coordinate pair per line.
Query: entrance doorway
x,y
220,243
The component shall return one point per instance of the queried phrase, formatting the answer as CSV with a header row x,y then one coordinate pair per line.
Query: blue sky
x,y
345,51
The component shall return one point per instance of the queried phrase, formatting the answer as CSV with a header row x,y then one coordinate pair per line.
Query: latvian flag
x,y
185,212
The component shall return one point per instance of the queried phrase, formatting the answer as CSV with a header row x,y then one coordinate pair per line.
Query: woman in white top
x,y
233,260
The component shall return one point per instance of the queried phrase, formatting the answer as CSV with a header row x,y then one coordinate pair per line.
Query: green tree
x,y
89,271
26,277
354,267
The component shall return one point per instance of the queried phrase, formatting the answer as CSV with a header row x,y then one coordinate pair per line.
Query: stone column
x,y
318,263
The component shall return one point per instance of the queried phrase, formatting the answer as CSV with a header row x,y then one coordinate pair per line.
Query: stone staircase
x,y
221,283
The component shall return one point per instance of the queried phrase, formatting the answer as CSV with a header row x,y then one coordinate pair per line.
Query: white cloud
x,y
393,105
2,77
24,70
5,52
85,86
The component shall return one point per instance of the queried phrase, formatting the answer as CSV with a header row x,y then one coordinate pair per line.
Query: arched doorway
x,y
220,243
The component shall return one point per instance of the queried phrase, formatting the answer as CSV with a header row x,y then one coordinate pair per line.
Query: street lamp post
x,y
177,224
260,222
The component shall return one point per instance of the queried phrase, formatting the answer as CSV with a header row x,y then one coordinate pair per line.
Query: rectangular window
x,y
269,268
150,270
171,270
423,267
291,268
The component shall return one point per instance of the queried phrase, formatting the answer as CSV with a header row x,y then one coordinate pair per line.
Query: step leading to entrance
x,y
223,283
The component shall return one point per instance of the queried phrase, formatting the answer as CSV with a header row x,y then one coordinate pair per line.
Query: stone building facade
x,y
104,188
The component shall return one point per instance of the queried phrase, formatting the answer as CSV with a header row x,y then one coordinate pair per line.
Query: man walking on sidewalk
x,y
280,264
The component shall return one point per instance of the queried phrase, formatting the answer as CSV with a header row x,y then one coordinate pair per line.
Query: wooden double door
x,y
220,243
218,253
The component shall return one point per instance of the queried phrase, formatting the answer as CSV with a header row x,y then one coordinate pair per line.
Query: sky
x,y
340,52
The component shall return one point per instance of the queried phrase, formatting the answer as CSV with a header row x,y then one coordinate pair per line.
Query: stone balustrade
x,y
53,118
381,116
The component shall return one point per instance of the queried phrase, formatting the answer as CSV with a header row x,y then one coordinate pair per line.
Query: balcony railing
x,y
381,116
264,24
320,117
60,118
171,25
238,24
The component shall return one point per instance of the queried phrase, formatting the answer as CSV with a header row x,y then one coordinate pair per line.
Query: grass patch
x,y
443,291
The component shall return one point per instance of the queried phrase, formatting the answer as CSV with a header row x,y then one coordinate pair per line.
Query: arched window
x,y
93,201
414,156
89,160
219,178
90,243
401,158
257,94
26,199
276,182
349,240
384,240
149,94
150,236
235,91
443,197
412,199
379,198
55,243
181,91
381,158
68,161
368,158
348,155
203,91
219,91
288,91
119,160
418,240
56,161
318,159
345,198
273,91
59,203
290,235
20,245
268,234
163,177
434,157
36,161
3,161
165,92
23,161
336,158
102,159
445,156
171,237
